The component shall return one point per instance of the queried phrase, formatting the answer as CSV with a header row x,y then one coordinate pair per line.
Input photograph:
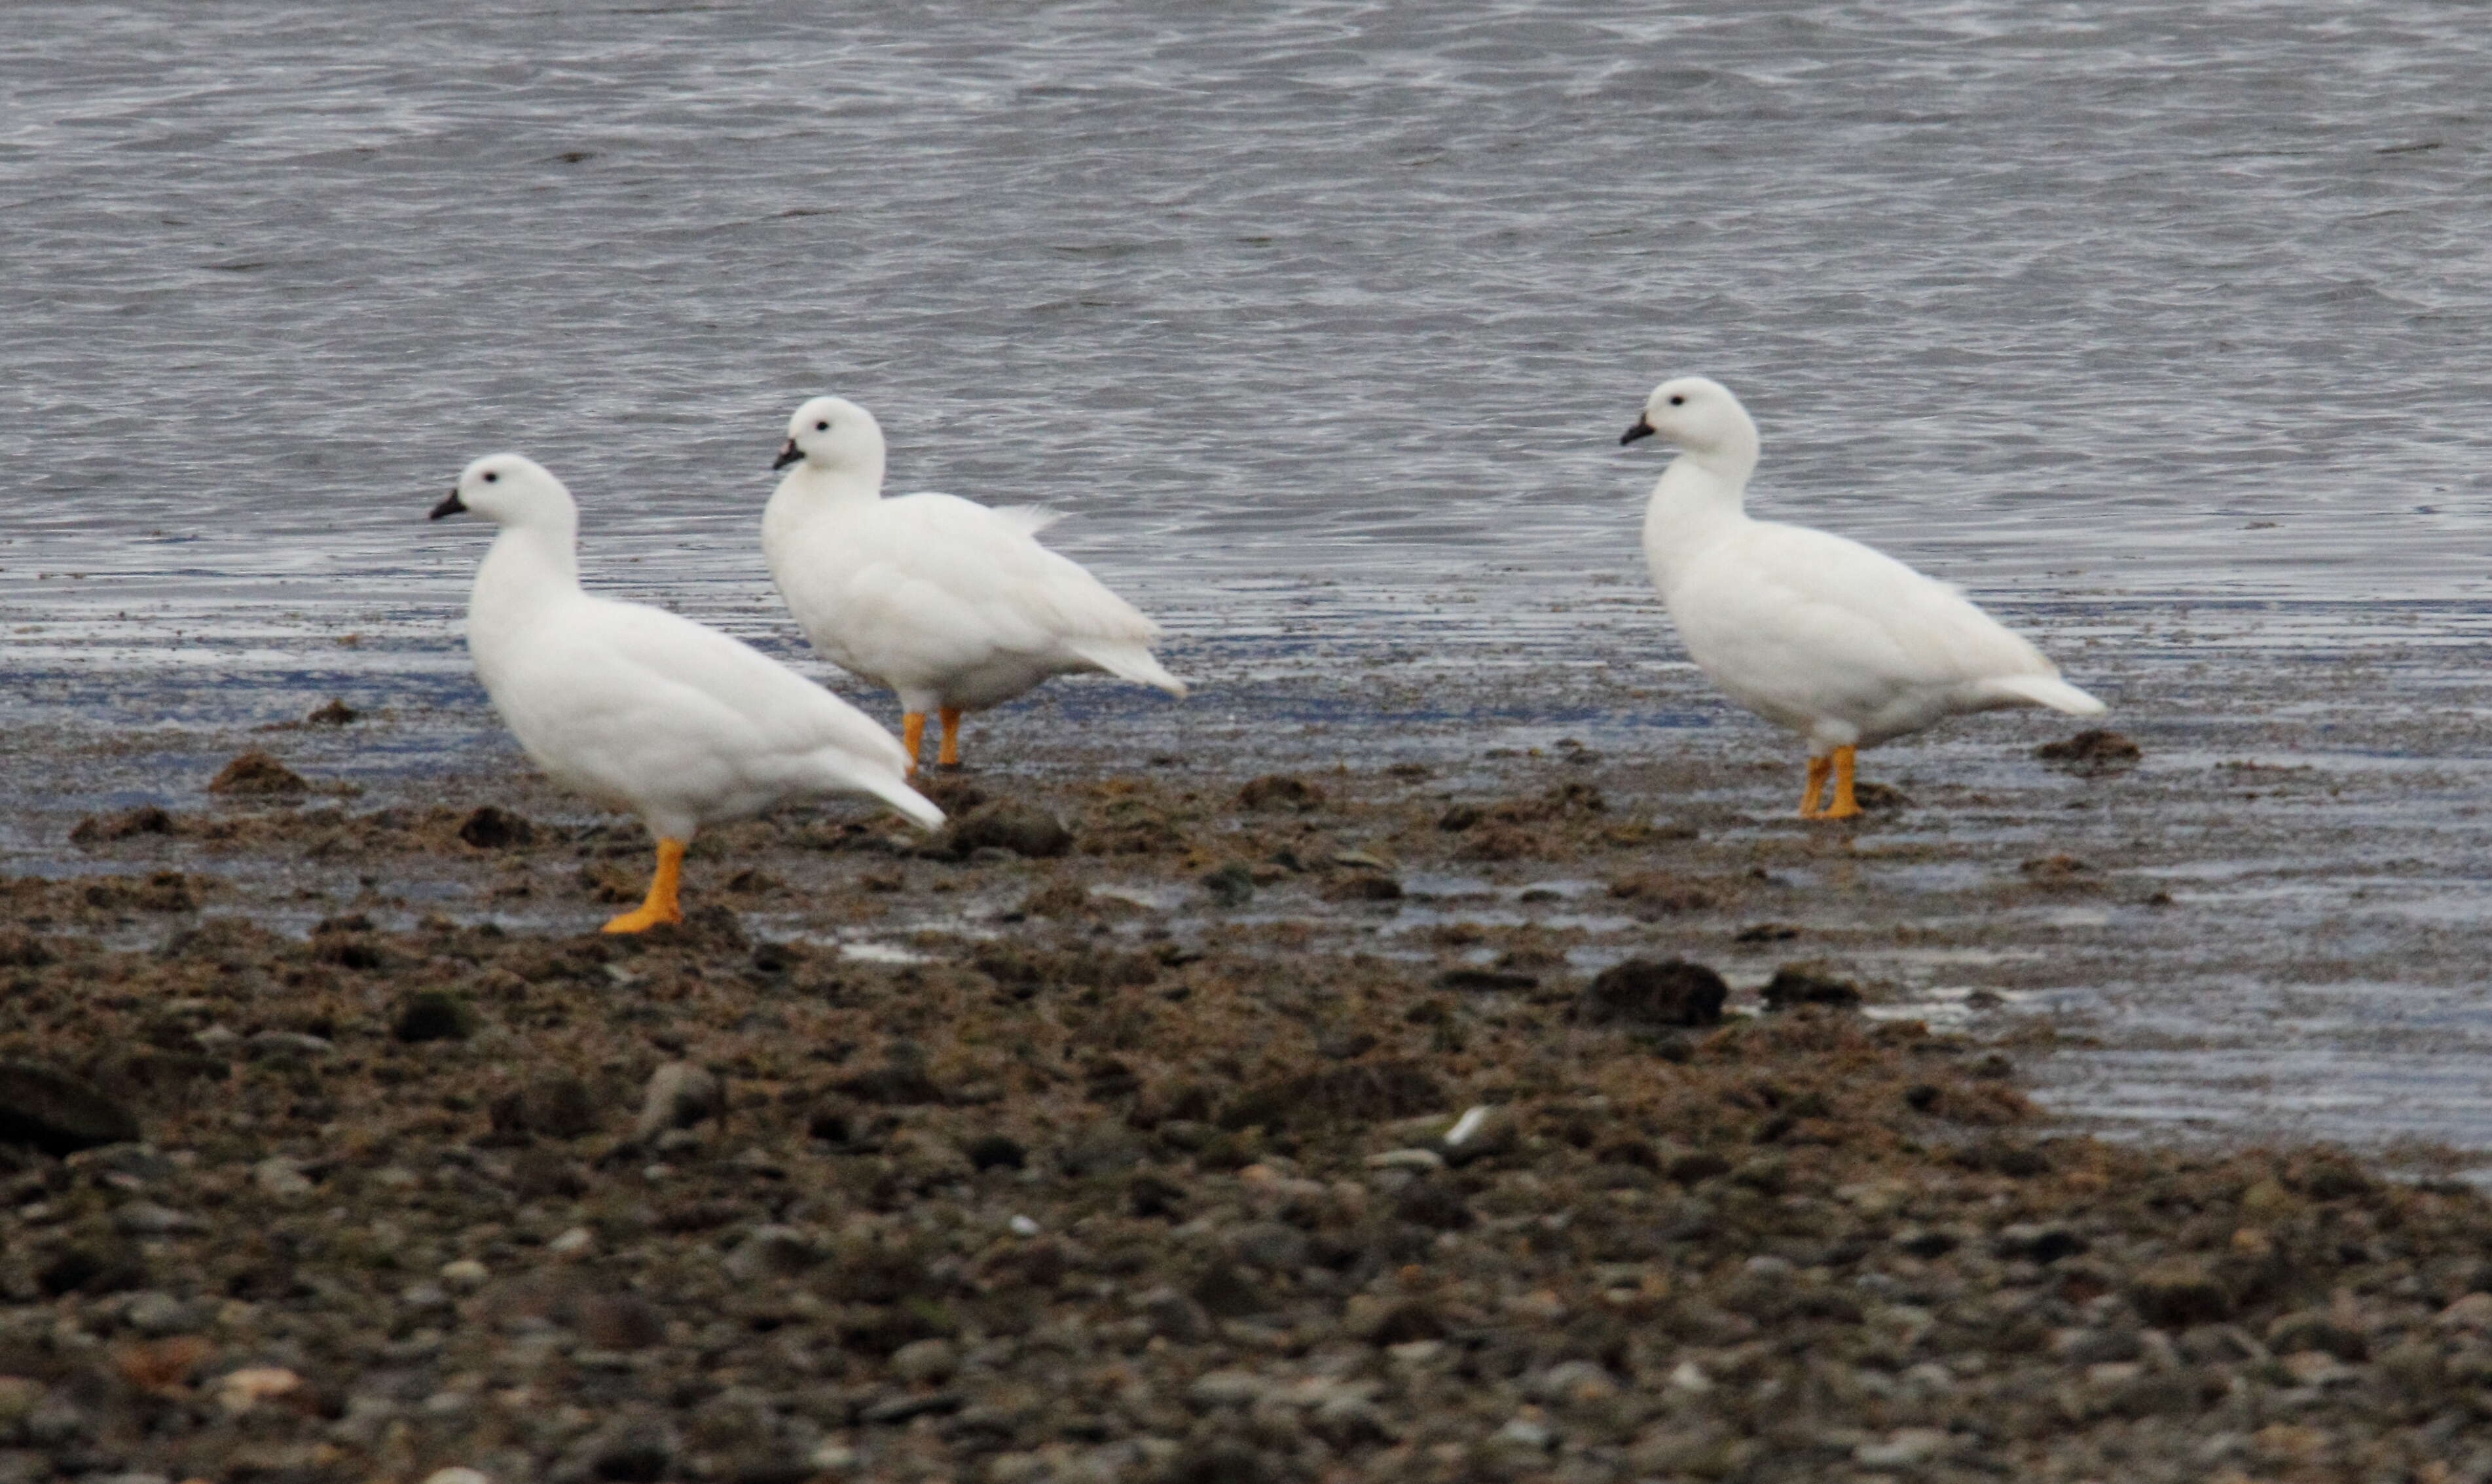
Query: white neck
x,y
531,564
1698,500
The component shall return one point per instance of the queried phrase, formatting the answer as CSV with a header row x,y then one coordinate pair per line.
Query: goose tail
x,y
2048,691
1128,661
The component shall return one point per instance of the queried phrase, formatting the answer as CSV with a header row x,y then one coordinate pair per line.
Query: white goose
x,y
640,710
952,604
1843,645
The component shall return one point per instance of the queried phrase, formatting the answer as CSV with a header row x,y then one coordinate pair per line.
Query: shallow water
x,y
2160,331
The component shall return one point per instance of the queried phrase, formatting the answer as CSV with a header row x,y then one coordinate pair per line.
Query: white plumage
x,y
955,606
640,710
1843,645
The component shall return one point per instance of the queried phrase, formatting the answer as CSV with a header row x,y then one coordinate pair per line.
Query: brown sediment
x,y
915,1158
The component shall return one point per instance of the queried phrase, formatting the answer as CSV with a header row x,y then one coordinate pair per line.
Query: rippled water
x,y
1323,317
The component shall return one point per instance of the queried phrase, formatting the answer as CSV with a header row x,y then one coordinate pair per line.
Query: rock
x,y
463,1275
1569,1382
2179,1293
554,1105
771,1251
1904,1448
58,1114
1275,1247
1524,1434
158,1315
489,828
282,1178
1485,980
257,775
1364,886
926,1362
1230,1387
240,1392
1642,991
2038,1242
2094,751
431,1015
995,1151
1433,1204
145,819
457,1476
1350,1422
1794,986
680,1095
1231,885
1174,1317
1279,791
624,1322
1361,1092
633,1450
287,1046
1007,825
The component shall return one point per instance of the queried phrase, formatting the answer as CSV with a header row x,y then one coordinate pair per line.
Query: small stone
x,y
1904,1448
335,713
145,1218
2472,1312
1279,791
554,1105
489,828
995,1151
2038,1242
1174,1317
1642,991
572,1243
257,775
158,1315
282,1178
1792,986
288,1044
1524,1434
621,1322
633,1450
457,1476
771,1251
1571,1381
1008,824
926,1362
463,1275
431,1015
1231,885
2091,752
58,1114
1227,1388
680,1095
1273,1246
2179,1293
239,1391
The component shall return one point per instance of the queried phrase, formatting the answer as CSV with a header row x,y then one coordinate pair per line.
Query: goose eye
x,y
822,427
1678,401
491,478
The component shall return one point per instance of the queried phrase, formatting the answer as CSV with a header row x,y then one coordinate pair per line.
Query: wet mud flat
x,y
1535,1111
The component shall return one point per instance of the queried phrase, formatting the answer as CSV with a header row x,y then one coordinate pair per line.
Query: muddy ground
x,y
1543,1115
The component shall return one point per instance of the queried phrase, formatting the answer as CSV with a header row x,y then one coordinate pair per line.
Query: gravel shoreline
x,y
1173,1126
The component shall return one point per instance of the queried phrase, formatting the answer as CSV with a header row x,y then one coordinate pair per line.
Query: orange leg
x,y
913,730
660,906
1818,768
950,755
1843,806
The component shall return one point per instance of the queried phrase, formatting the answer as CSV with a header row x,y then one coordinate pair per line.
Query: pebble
x,y
1904,1448
463,1275
282,1178
57,1112
145,1218
239,1391
457,1476
680,1094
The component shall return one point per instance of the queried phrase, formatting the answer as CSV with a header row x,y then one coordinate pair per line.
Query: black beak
x,y
453,506
788,453
1643,428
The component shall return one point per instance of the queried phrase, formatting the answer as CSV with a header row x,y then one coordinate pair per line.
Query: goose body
x,y
953,605
641,710
1817,633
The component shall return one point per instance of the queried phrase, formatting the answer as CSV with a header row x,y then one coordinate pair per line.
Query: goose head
x,y
834,435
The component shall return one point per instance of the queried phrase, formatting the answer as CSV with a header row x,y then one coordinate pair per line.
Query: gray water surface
x,y
1323,320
